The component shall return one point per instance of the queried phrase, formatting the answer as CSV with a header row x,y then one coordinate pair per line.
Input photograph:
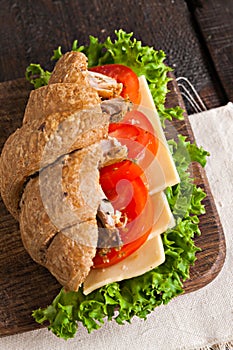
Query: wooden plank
x,y
18,91
25,286
31,32
214,18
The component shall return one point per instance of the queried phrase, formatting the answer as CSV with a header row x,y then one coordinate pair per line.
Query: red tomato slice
x,y
131,198
139,119
142,145
111,174
124,75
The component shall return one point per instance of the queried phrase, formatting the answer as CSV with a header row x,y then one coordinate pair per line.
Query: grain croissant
x,y
49,168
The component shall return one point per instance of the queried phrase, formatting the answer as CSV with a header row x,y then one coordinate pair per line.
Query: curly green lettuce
x,y
140,295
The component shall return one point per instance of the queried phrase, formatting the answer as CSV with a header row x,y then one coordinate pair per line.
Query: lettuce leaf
x,y
37,76
140,295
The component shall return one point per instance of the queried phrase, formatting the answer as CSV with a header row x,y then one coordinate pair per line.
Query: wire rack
x,y
191,95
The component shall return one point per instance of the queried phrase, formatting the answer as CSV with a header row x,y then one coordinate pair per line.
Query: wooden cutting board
x,y
25,286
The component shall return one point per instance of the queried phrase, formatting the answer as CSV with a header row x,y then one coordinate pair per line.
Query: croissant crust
x,y
49,177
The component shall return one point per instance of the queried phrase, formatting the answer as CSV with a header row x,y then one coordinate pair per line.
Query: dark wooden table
x,y
197,35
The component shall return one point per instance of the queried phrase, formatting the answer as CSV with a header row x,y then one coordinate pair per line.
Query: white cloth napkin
x,y
192,321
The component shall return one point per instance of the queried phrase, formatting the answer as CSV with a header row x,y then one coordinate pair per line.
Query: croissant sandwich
x,y
49,169
103,201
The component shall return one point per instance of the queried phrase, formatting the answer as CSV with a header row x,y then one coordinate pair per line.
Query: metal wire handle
x,y
189,92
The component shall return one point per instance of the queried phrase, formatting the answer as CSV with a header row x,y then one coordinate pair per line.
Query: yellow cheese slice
x,y
163,218
147,257
162,171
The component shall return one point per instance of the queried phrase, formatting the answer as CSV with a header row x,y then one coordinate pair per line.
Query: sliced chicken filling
x,y
108,219
105,86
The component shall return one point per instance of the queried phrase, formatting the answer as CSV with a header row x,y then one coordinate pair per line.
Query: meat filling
x,y
116,107
105,86
108,233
